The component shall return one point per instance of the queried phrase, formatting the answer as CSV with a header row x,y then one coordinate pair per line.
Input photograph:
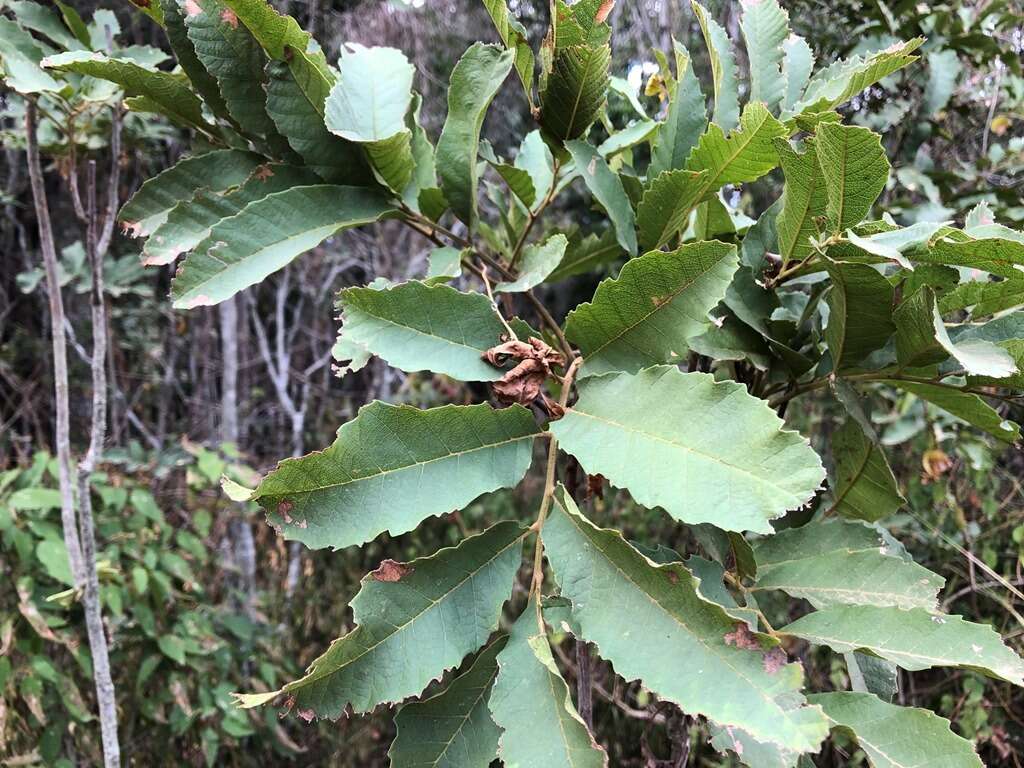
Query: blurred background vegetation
x,y
202,598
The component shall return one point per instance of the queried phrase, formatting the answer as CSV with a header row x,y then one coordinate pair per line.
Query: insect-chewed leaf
x,y
267,235
893,736
914,639
705,451
667,204
723,68
190,221
454,728
750,751
841,81
413,622
231,54
746,154
531,703
392,467
836,562
765,28
474,82
163,89
644,618
865,487
658,301
803,201
963,405
855,170
213,171
607,189
368,105
575,89
417,327
539,260
685,120
860,312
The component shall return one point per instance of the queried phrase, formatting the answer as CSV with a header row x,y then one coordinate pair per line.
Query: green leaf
x,y
943,71
607,189
893,736
416,327
301,121
513,36
368,105
267,235
538,261
574,92
983,297
870,674
836,562
723,69
797,65
213,171
922,339
765,28
190,221
34,498
453,728
584,254
865,488
519,182
535,158
855,170
747,154
661,435
997,256
843,80
22,61
444,263
803,201
165,90
474,82
530,702
229,52
204,83
914,639
963,405
392,467
652,624
434,610
636,133
667,204
860,313
732,340
647,314
38,18
685,120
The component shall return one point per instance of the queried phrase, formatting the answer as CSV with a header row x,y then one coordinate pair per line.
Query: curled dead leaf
x,y
525,381
935,463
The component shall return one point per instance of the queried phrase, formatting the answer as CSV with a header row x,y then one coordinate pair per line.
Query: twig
x,y
549,490
105,696
494,305
60,360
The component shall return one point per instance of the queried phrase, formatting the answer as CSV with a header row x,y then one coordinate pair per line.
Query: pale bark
x,y
62,438
105,696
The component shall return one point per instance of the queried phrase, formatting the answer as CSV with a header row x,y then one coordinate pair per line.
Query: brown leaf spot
x,y
774,660
192,8
673,576
302,524
660,301
742,637
132,228
228,16
306,714
283,508
523,383
592,166
289,53
142,3
390,570
604,10
263,172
